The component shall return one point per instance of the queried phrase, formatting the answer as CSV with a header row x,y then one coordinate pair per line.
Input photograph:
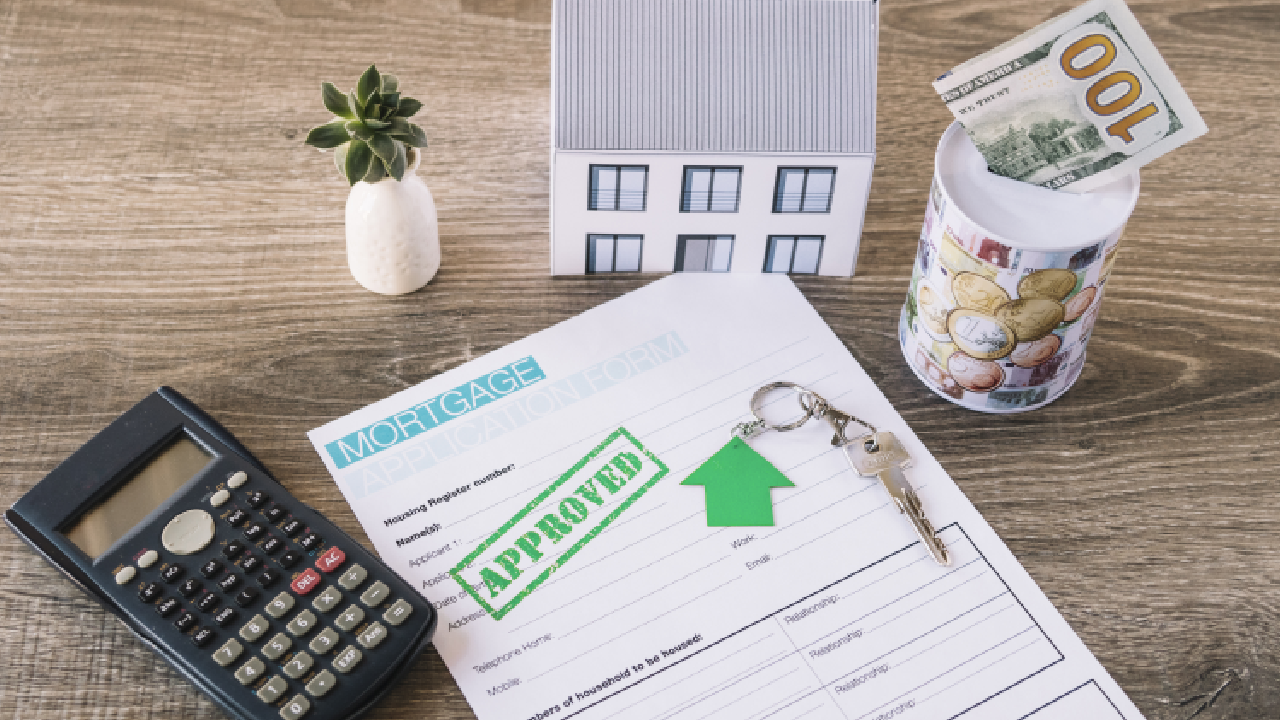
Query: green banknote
x,y
1074,103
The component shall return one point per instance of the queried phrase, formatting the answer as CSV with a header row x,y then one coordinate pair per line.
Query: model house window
x,y
614,253
711,189
804,190
793,254
618,187
704,253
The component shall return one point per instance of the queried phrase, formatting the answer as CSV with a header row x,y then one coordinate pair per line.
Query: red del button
x,y
331,559
306,582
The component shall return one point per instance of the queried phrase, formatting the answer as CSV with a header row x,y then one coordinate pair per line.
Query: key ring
x,y
814,406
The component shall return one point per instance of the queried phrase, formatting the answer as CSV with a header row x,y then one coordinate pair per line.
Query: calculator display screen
x,y
126,506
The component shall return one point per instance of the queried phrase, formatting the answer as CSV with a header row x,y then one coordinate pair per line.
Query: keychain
x,y
736,474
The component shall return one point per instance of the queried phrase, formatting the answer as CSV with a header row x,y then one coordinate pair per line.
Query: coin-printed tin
x,y
1008,280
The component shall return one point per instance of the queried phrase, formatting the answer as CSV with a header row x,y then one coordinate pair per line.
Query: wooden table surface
x,y
161,222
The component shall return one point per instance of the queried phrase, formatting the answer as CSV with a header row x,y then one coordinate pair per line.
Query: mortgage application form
x,y
534,496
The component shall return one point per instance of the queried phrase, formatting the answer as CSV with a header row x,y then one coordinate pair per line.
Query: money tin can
x,y
1008,282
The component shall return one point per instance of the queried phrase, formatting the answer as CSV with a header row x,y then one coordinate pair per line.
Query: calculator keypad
x,y
250,671
298,665
254,629
278,645
301,644
353,577
302,623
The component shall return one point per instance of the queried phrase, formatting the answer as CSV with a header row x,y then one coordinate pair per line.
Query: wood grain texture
x,y
161,222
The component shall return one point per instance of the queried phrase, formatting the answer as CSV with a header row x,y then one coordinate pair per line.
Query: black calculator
x,y
257,599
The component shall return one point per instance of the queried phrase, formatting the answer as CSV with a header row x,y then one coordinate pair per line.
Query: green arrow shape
x,y
737,480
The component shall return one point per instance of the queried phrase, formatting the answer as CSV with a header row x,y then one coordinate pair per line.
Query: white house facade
x,y
711,135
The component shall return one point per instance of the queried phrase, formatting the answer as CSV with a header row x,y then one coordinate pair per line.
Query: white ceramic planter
x,y
393,235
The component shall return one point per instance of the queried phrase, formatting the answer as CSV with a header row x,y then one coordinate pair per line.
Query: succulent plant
x,y
371,131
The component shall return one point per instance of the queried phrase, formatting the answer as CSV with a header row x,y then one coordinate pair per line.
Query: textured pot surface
x,y
393,235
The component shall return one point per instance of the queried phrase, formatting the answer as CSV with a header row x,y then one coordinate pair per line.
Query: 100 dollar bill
x,y
1074,103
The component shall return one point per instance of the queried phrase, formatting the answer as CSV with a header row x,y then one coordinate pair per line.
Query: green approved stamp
x,y
555,525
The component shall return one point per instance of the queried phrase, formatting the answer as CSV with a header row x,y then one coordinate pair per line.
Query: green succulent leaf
x,y
417,137
377,171
357,107
327,136
384,147
390,84
377,124
400,127
395,168
359,130
408,107
391,99
373,109
340,158
357,162
368,85
335,101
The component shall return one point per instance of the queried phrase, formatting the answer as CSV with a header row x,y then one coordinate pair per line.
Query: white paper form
x,y
837,611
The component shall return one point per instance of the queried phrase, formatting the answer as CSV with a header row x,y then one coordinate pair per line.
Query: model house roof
x,y
715,75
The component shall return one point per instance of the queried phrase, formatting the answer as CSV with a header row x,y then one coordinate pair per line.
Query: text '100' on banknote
x,y
1074,103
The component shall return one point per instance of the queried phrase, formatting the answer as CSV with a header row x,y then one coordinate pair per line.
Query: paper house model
x,y
711,135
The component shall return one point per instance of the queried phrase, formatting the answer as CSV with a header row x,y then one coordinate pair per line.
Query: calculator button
x,y
324,642
207,601
228,653
125,575
233,548
272,689
290,558
254,629
254,531
282,604
188,532
292,527
352,578
321,684
185,621
167,606
237,517
268,577
211,569
148,559
301,623
237,479
295,708
273,513
271,544
189,587
224,617
278,645
249,563
331,559
309,541
298,665
306,582
373,635
376,593
347,660
349,618
229,583
202,637
398,613
326,600
247,596
255,498
219,498
250,671
149,592
171,573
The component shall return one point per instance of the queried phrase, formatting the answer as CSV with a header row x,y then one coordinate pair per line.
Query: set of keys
x,y
870,454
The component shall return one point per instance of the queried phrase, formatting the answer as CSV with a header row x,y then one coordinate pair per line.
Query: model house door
x,y
704,253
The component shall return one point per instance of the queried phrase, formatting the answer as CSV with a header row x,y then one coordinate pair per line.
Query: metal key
x,y
880,454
